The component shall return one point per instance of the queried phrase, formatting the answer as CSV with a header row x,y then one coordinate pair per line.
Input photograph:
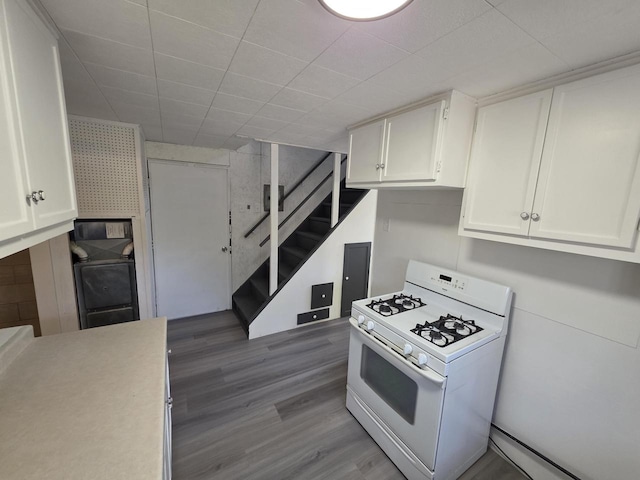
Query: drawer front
x,y
322,295
313,316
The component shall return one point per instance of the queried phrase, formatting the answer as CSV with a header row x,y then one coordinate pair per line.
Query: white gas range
x,y
424,366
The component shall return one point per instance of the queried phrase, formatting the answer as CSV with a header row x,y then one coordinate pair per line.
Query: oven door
x,y
406,398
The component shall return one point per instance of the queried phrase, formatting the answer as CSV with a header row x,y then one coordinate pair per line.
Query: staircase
x,y
251,298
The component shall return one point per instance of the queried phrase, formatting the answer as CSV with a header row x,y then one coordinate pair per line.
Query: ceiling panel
x,y
236,104
131,98
98,17
213,126
85,99
277,112
185,93
423,22
110,54
210,141
188,41
112,77
266,123
179,135
360,55
189,73
134,114
322,82
293,28
182,108
225,16
152,132
247,87
264,64
288,97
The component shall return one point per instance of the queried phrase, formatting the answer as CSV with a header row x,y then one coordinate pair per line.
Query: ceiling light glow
x,y
363,10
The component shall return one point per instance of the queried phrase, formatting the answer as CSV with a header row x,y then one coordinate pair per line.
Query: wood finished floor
x,y
273,408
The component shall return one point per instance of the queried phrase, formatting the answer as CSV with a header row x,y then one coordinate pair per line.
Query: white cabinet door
x,y
15,213
589,183
37,79
365,153
413,144
503,169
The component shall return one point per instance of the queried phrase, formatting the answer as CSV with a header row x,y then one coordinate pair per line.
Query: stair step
x,y
308,240
247,306
313,236
296,252
284,271
321,220
261,286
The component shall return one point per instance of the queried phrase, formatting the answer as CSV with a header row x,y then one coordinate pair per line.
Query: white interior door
x,y
190,226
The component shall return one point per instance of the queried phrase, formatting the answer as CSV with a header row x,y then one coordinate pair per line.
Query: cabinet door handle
x,y
524,216
535,217
33,198
382,165
41,195
377,166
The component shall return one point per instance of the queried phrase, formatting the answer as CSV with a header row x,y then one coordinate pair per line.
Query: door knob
x,y
41,195
346,278
33,197
224,249
535,217
524,216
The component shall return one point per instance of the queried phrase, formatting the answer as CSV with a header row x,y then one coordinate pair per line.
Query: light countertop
x,y
86,405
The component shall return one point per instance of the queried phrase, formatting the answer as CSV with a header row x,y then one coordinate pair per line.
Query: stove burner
x,y
446,330
395,304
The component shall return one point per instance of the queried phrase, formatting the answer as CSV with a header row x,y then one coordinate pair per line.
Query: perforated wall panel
x,y
106,170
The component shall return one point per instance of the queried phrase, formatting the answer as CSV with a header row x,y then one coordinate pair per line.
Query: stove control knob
x,y
422,359
360,319
407,349
370,325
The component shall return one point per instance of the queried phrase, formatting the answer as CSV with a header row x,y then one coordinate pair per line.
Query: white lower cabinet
x,y
560,169
37,187
426,145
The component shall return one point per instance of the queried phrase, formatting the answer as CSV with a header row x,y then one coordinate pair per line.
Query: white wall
x,y
570,383
324,266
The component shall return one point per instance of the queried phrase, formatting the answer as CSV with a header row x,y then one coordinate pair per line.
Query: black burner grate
x,y
446,330
396,304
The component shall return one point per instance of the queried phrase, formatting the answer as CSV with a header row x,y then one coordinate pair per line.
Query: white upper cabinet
x,y
505,157
560,169
34,140
423,146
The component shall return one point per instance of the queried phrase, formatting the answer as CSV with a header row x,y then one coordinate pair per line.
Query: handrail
x,y
299,206
291,190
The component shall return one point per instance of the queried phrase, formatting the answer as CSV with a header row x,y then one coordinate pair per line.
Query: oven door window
x,y
394,387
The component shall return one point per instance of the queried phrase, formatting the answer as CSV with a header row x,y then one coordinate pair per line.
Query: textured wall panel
x,y
105,166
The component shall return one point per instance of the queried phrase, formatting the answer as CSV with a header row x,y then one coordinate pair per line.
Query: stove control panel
x,y
449,281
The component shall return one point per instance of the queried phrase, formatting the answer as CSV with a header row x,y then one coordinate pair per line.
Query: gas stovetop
x,y
446,330
396,304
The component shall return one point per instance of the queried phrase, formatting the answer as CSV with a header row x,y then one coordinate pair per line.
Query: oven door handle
x,y
428,374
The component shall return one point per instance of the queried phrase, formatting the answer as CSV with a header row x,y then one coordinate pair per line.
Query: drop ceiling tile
x,y
322,82
373,97
230,17
98,18
236,104
280,113
212,126
227,116
234,142
190,73
286,137
264,64
210,141
71,66
85,99
255,132
423,22
479,41
248,87
131,98
151,132
359,55
294,28
343,114
412,76
546,17
179,136
301,129
266,123
112,77
134,114
185,93
175,120
288,97
174,107
608,36
188,41
111,54
531,63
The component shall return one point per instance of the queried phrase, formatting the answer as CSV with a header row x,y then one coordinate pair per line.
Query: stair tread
x,y
247,304
296,251
262,285
320,219
314,236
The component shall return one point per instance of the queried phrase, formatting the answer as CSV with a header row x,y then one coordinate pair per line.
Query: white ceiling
x,y
210,72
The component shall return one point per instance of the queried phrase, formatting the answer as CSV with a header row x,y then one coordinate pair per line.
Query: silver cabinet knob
x,y
224,249
33,198
382,165
315,317
377,166
346,278
535,217
41,195
524,216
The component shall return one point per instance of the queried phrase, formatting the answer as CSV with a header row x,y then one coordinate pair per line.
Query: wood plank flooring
x,y
274,407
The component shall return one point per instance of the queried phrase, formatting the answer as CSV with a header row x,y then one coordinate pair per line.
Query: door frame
x,y
345,311
149,160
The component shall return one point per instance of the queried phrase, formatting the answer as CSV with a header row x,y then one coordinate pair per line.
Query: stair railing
x,y
301,204
286,195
